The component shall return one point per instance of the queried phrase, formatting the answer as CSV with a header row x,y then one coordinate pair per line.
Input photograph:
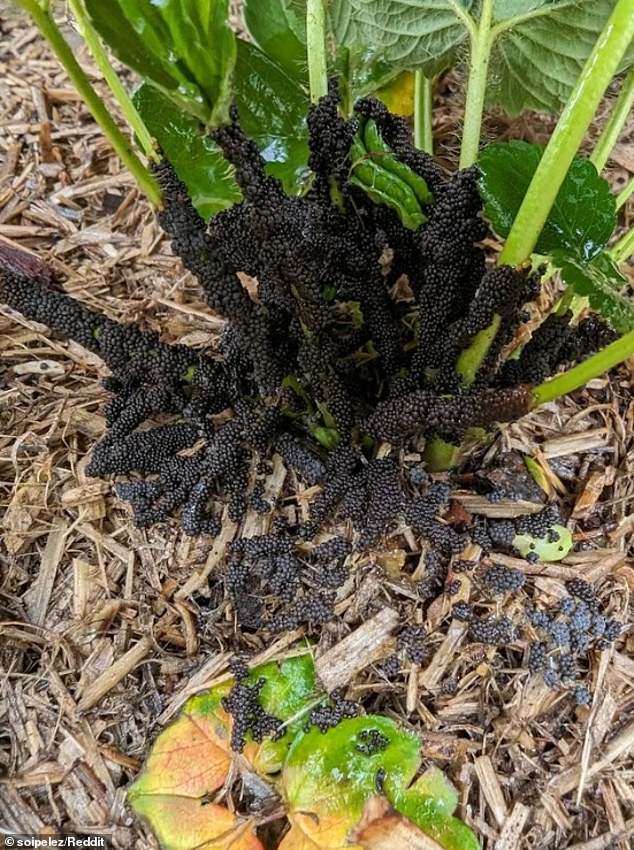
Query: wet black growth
x,y
249,717
566,634
330,714
320,362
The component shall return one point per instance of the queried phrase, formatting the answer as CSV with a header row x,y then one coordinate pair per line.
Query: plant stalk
x,y
95,104
470,360
476,88
599,70
128,109
612,130
316,49
423,111
624,194
593,367
624,248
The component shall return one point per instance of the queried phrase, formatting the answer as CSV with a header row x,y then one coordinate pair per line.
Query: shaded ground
x,y
106,629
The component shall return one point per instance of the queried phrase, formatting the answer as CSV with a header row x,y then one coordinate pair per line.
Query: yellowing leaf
x,y
184,823
398,94
191,757
191,760
324,833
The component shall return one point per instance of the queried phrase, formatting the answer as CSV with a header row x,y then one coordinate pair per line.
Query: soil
x,y
106,630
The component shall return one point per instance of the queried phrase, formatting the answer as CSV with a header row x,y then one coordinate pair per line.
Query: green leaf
x,y
328,777
583,216
430,803
363,69
537,60
505,9
412,33
526,545
539,49
279,28
435,791
272,105
600,281
288,689
184,47
196,158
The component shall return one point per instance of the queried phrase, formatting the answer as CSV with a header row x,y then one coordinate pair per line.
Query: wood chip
x,y
513,827
37,598
569,779
113,675
214,559
504,509
357,651
431,676
491,790
584,441
591,492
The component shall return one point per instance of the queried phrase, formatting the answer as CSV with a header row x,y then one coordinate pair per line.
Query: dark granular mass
x,y
239,668
496,631
391,667
501,579
249,718
317,366
312,610
271,582
412,641
567,633
463,611
539,524
370,742
583,590
329,715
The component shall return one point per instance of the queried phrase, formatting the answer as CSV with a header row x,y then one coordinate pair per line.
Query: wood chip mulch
x,y
105,630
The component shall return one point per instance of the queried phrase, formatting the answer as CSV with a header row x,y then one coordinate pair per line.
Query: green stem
x,y
423,111
602,65
579,375
624,194
624,248
565,302
316,49
474,356
476,87
134,120
97,107
616,122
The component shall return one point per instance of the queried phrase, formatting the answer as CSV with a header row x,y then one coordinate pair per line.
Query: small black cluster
x,y
501,579
540,524
391,667
412,641
312,610
330,714
496,631
567,632
463,611
499,534
370,742
272,582
249,717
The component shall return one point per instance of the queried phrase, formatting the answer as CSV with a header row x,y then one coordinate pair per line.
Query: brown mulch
x,y
105,629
